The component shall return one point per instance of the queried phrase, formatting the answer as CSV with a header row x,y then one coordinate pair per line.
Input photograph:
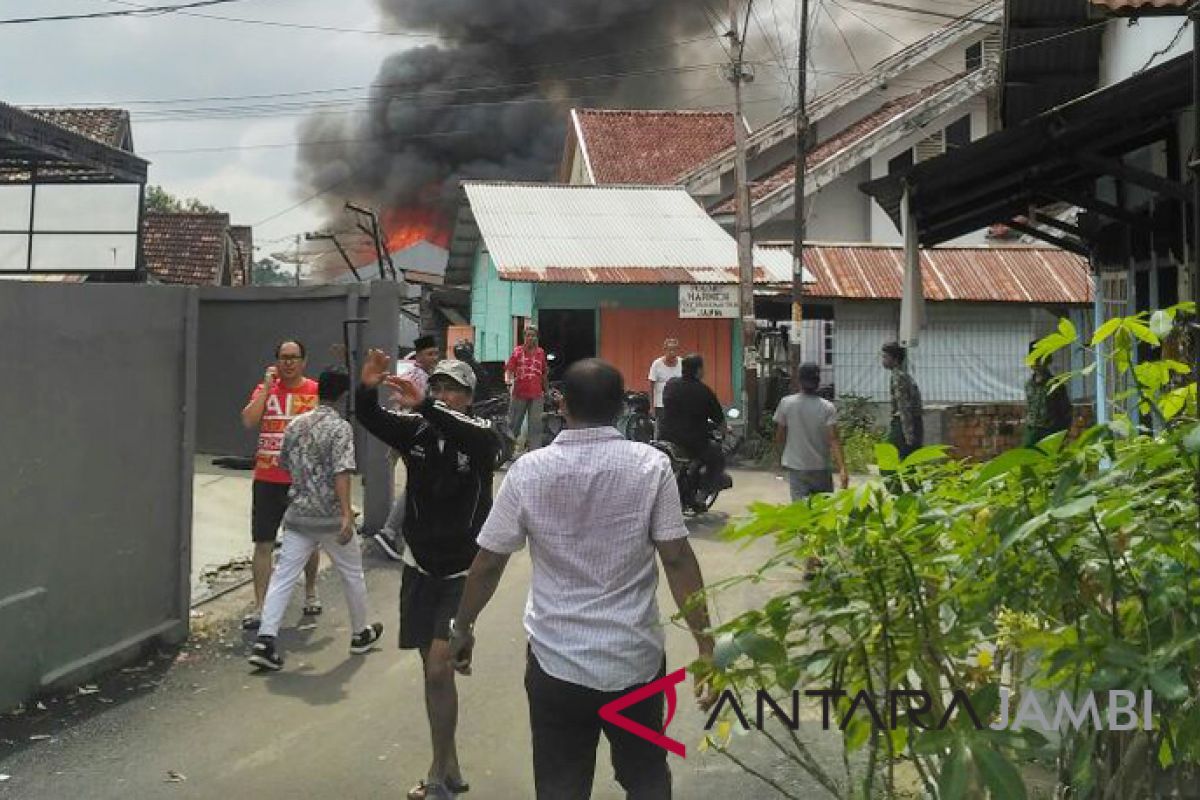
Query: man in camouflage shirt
x,y
318,452
907,429
1046,412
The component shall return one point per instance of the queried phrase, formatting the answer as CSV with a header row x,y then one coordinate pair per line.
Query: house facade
x,y
601,271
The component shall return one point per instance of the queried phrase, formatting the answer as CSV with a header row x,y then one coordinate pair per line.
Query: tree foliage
x,y
159,200
1069,567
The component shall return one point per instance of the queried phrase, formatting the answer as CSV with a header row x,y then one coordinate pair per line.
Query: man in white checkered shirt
x,y
594,509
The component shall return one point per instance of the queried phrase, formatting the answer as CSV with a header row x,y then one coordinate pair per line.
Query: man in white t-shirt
x,y
664,368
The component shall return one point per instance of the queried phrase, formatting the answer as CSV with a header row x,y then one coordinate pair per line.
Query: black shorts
x,y
266,513
427,604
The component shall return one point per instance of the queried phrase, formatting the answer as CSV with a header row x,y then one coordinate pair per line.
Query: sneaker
x,y
388,544
362,641
264,656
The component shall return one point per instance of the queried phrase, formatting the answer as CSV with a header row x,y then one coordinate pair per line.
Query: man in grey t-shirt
x,y
806,428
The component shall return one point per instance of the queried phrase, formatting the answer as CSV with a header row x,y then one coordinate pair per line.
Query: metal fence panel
x,y
96,469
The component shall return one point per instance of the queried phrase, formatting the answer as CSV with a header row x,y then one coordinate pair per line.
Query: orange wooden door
x,y
631,338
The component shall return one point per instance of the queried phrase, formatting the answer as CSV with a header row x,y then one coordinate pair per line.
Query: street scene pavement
x,y
201,724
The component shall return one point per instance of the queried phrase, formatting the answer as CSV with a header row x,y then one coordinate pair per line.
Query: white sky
x,y
119,61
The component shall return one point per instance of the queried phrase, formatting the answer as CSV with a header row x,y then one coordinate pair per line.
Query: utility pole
x,y
800,220
297,259
742,227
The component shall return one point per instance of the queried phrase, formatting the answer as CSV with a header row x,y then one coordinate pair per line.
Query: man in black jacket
x,y
690,413
449,456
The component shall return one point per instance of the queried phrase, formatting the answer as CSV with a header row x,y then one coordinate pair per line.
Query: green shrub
x,y
1069,567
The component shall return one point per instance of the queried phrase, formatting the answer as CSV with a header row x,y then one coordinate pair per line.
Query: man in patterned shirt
x,y
318,451
907,429
1047,412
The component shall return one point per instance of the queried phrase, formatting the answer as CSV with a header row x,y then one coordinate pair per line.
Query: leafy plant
x,y
1069,567
858,431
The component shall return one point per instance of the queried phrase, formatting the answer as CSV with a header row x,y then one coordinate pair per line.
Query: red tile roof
x,y
1034,275
653,148
185,248
107,125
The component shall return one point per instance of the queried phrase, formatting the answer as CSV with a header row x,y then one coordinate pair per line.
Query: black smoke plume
x,y
490,99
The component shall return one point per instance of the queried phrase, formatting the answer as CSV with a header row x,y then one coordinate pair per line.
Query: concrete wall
x,y
239,329
96,468
1131,47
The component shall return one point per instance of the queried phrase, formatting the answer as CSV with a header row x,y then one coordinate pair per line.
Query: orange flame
x,y
405,227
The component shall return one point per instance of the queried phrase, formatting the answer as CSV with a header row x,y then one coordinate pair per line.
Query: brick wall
x,y
984,431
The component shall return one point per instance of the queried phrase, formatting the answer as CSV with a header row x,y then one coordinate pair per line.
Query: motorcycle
x,y
636,425
697,492
553,419
490,403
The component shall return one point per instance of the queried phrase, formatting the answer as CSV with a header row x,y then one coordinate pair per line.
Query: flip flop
x,y
312,607
421,790
251,622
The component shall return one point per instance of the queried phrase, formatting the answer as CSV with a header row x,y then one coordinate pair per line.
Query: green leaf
x,y
952,782
761,649
1106,330
999,775
1067,329
1120,654
726,651
1166,757
1167,684
858,730
1074,508
1083,770
1008,461
1161,322
1020,534
932,742
1141,331
887,457
1107,678
1191,442
924,456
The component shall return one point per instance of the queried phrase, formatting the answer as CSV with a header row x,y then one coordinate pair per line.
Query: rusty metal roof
x,y
1010,274
553,233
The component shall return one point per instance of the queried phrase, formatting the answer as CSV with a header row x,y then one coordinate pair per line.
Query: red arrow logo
x,y
611,712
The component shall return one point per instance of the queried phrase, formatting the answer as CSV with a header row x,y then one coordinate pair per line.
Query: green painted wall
x,y
493,305
495,302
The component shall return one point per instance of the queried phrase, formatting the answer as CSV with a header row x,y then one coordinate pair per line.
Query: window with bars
x,y
827,350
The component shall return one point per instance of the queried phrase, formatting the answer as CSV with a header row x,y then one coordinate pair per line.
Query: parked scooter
x,y
489,404
636,425
697,492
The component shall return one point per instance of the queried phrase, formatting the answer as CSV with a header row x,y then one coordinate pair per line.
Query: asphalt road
x,y
200,725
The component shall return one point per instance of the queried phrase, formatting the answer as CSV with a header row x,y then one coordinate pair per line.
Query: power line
x,y
888,33
845,40
967,17
139,11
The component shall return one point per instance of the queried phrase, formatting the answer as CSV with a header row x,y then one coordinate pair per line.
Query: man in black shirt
x,y
690,412
449,457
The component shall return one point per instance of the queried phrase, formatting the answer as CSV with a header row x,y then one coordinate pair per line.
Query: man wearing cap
x,y
806,431
526,371
449,456
416,367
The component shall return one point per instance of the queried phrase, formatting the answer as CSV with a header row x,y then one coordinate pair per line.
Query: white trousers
x,y
294,551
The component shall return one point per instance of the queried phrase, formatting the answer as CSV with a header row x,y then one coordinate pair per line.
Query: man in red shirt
x,y
526,372
283,395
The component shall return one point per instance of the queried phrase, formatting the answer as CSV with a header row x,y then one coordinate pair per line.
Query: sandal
x,y
312,607
251,622
421,790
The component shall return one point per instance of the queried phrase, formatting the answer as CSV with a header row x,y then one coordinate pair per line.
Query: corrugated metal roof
x,y
1033,275
552,233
